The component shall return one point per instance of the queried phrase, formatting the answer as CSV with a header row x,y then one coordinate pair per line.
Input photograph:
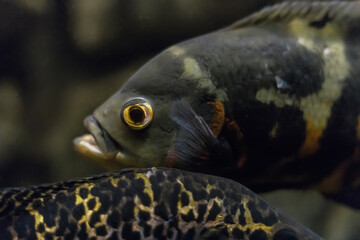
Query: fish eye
x,y
137,113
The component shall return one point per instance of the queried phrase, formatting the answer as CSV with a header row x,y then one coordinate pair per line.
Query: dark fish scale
x,y
113,219
159,177
189,234
60,197
285,234
201,212
229,219
188,217
156,190
65,212
84,193
237,233
162,211
147,230
126,231
19,227
216,193
185,199
122,184
114,236
105,203
41,228
60,230
91,203
101,231
145,198
200,195
138,184
48,236
158,231
127,212
174,198
70,201
78,211
144,215
214,211
258,216
95,218
189,184
69,236
116,196
242,219
82,234
258,235
95,191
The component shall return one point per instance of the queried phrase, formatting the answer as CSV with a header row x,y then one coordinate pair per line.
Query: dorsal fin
x,y
335,11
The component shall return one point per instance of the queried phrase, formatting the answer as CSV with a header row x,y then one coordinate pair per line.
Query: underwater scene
x,y
154,119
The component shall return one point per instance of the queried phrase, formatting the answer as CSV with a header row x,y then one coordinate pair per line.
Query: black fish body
x,y
271,101
154,203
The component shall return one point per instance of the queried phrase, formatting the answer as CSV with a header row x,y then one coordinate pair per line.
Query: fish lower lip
x,y
100,147
86,146
98,144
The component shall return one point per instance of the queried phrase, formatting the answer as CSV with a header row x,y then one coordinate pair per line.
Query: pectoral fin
x,y
196,146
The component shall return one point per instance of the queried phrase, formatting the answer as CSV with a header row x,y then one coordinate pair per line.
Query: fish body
x,y
271,101
154,203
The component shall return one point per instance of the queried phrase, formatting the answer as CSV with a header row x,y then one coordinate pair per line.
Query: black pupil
x,y
137,115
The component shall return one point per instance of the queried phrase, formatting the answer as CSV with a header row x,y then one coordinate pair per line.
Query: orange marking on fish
x,y
234,130
171,158
218,119
333,183
235,136
242,160
311,143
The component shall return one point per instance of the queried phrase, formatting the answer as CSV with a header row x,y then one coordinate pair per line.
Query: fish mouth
x,y
98,145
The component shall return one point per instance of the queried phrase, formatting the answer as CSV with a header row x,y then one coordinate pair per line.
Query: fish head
x,y
133,128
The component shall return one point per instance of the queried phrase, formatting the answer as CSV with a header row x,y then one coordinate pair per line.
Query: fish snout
x,y
97,145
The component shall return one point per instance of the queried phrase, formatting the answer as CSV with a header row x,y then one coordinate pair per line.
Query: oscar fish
x,y
271,101
134,204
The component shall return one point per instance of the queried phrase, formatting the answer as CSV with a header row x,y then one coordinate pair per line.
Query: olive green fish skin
x,y
156,203
288,78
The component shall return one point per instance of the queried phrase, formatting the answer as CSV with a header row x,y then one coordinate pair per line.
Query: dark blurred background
x,y
60,59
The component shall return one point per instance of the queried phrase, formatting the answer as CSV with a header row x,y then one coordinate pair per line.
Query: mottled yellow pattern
x,y
120,209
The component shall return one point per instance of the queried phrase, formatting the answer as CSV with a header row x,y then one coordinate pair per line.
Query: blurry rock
x,y
95,23
341,222
333,221
128,25
19,163
307,207
12,19
10,120
35,6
